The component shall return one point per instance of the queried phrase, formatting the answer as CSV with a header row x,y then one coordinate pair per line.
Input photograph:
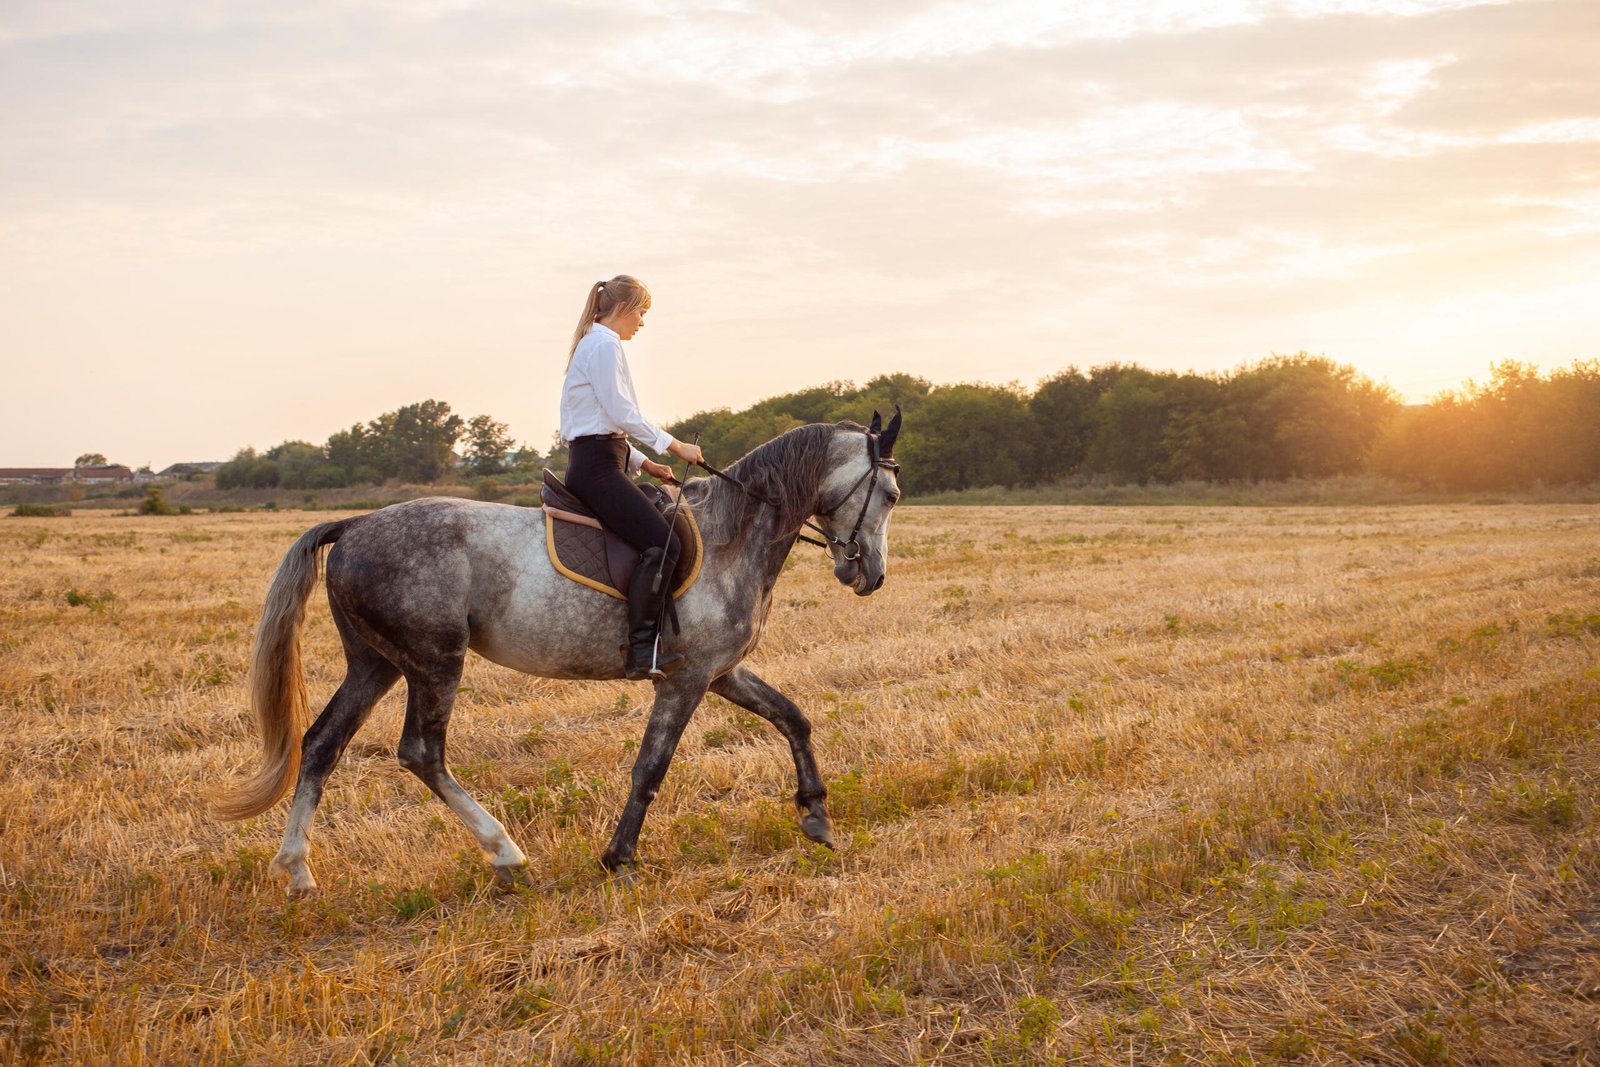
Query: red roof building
x,y
112,474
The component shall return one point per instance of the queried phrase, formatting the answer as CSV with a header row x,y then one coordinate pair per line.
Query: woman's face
x,y
625,323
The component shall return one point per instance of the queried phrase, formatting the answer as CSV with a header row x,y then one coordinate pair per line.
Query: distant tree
x,y
1518,430
235,473
557,458
1198,431
413,443
156,503
1130,422
351,452
299,464
526,461
726,435
91,459
380,445
264,474
1063,411
966,436
420,438
886,392
1300,416
1564,433
489,445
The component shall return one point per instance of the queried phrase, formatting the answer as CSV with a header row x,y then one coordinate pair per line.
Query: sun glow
x,y
401,202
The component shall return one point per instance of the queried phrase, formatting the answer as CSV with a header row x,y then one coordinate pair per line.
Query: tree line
x,y
415,444
1518,430
1286,417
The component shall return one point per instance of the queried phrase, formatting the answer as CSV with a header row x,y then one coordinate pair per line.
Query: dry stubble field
x,y
1112,785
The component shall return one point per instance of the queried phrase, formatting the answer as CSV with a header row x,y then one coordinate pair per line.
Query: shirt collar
x,y
608,331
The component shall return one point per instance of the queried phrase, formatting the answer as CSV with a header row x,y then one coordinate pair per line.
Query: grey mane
x,y
788,469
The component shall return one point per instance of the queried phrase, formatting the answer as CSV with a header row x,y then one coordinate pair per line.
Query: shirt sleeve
x,y
635,459
613,388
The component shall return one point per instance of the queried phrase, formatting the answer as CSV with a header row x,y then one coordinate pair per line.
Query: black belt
x,y
600,437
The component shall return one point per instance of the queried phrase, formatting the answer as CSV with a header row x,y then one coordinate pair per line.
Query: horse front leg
x,y
676,699
744,688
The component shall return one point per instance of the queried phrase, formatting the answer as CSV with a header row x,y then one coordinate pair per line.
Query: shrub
x,y
489,489
154,503
263,474
326,476
95,602
41,511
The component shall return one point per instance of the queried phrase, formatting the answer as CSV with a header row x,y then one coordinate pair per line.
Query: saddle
x,y
592,555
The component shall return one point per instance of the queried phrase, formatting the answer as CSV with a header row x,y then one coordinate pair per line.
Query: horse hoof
x,y
818,829
625,872
512,876
301,882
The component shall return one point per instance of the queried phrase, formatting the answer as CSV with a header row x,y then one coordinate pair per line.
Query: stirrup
x,y
658,668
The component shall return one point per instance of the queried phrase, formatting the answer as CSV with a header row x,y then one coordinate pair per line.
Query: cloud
x,y
958,188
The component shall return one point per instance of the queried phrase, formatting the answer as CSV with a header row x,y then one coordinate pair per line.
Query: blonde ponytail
x,y
624,292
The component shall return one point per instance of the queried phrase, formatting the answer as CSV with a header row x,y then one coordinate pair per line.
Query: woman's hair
x,y
622,293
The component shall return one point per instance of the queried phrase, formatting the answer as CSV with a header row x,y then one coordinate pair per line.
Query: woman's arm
x,y
613,389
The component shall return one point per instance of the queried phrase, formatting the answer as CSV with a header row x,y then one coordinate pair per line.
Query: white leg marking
x,y
291,857
492,836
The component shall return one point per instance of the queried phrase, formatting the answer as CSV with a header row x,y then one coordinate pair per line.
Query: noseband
x,y
850,545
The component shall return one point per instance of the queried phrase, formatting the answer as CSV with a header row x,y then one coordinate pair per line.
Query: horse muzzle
x,y
854,573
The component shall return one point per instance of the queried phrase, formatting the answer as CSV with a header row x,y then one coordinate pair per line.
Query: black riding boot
x,y
647,594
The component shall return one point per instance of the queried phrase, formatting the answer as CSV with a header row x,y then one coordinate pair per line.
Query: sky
x,y
226,224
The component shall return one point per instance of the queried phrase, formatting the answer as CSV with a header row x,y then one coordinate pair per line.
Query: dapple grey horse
x,y
414,586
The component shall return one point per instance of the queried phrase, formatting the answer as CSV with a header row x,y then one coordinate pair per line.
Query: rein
x,y
850,545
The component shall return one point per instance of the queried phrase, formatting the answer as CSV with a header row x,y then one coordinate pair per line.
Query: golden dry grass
x,y
1113,785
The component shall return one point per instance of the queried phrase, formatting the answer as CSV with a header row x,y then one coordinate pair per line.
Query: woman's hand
x,y
687,452
659,471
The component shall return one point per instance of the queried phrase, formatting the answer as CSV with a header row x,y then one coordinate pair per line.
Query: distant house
x,y
35,475
183,470
112,474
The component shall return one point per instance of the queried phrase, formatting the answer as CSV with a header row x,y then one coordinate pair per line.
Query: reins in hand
x,y
850,546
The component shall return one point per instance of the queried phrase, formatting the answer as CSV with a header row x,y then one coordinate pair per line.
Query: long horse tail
x,y
278,695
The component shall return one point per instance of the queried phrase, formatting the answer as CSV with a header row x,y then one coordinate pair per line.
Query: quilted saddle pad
x,y
593,556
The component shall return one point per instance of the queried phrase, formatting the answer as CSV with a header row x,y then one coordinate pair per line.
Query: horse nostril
x,y
877,584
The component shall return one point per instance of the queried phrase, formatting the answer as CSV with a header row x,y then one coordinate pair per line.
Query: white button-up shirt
x,y
597,396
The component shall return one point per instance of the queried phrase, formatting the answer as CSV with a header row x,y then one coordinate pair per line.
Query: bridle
x,y
849,546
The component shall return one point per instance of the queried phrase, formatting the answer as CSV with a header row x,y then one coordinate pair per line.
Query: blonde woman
x,y
599,412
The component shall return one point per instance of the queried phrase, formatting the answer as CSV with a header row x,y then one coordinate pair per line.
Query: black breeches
x,y
597,476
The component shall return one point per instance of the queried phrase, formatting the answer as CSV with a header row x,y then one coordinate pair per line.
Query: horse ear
x,y
886,442
877,422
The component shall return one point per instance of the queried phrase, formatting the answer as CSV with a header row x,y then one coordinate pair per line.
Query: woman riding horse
x,y
598,415
414,587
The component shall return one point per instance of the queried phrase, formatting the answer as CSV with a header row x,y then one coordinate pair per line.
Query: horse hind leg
x,y
368,676
429,697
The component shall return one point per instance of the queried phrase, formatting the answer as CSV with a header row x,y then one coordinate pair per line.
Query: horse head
x,y
858,496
